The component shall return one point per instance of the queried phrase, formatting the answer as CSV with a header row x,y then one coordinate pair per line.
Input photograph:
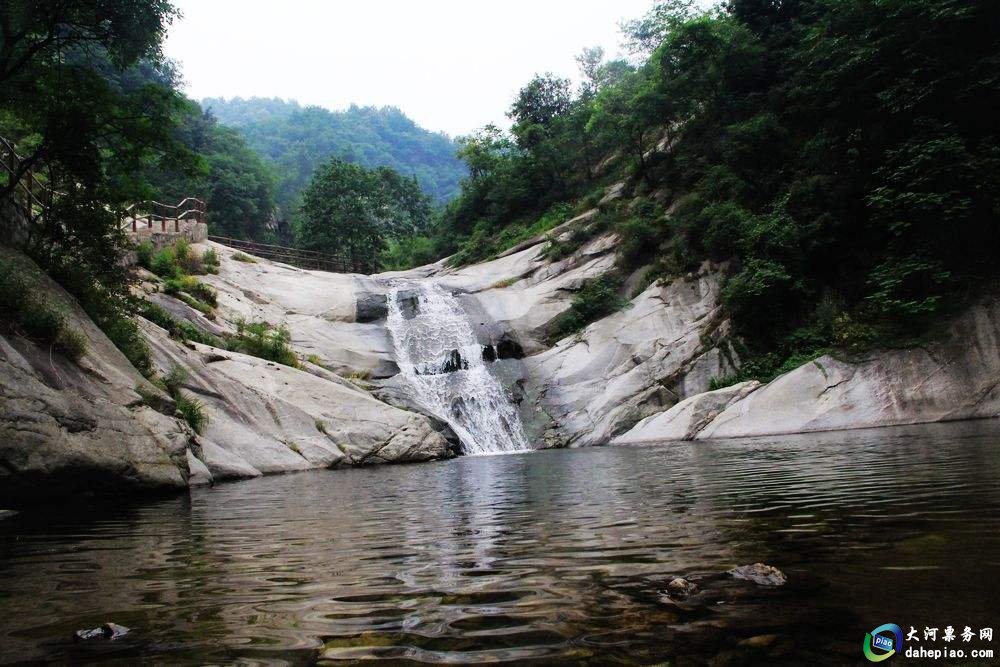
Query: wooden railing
x,y
148,212
305,259
37,197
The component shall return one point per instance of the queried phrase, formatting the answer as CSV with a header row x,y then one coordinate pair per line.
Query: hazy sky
x,y
450,65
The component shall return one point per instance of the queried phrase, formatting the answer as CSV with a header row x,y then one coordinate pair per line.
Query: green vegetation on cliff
x,y
841,155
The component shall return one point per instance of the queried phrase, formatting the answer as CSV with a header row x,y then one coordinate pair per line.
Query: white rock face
x,y
955,378
687,418
265,417
68,428
591,387
631,364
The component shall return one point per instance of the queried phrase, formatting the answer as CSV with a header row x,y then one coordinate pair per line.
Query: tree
x,y
536,106
236,184
65,82
643,35
354,212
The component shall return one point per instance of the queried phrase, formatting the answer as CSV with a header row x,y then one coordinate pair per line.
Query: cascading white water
x,y
441,360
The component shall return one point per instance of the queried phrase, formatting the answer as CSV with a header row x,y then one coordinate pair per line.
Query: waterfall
x,y
442,362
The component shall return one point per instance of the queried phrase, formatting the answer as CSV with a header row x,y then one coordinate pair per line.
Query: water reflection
x,y
545,557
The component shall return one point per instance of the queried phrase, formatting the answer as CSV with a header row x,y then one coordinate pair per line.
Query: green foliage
x,y
236,184
295,141
641,233
27,310
164,264
144,255
210,258
264,340
597,298
723,382
564,245
483,244
192,410
353,212
192,287
241,257
85,92
407,252
180,329
840,156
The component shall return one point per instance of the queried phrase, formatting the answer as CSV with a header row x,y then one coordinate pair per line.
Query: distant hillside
x,y
296,139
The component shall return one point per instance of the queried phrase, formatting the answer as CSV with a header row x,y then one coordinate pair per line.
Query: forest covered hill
x,y
296,139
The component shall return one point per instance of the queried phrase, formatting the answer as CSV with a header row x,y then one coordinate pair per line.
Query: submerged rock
x,y
759,573
107,631
759,641
681,588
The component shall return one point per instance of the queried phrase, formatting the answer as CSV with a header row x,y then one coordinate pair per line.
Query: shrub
x,y
640,237
193,410
191,286
240,257
723,382
264,340
177,328
164,264
597,298
210,261
486,242
72,343
24,310
144,254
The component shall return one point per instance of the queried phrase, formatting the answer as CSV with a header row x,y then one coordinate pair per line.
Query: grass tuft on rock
x,y
194,411
596,299
26,310
264,340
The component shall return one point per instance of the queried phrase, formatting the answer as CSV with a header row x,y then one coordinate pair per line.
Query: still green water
x,y
555,557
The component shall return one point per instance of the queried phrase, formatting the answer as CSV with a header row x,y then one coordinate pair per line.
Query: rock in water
x,y
681,588
370,307
764,575
107,631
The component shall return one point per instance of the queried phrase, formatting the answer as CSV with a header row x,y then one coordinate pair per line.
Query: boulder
x,y
760,574
68,428
198,472
956,377
684,420
265,417
665,345
370,307
107,631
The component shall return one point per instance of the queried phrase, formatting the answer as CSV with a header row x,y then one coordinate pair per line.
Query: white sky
x,y
450,65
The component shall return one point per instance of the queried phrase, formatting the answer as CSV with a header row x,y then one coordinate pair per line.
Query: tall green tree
x,y
89,100
354,212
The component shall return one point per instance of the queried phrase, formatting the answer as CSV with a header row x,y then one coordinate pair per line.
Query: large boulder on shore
x,y
686,419
265,417
72,428
955,377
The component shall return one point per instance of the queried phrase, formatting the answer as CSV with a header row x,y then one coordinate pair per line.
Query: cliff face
x,y
94,426
643,373
640,374
69,428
